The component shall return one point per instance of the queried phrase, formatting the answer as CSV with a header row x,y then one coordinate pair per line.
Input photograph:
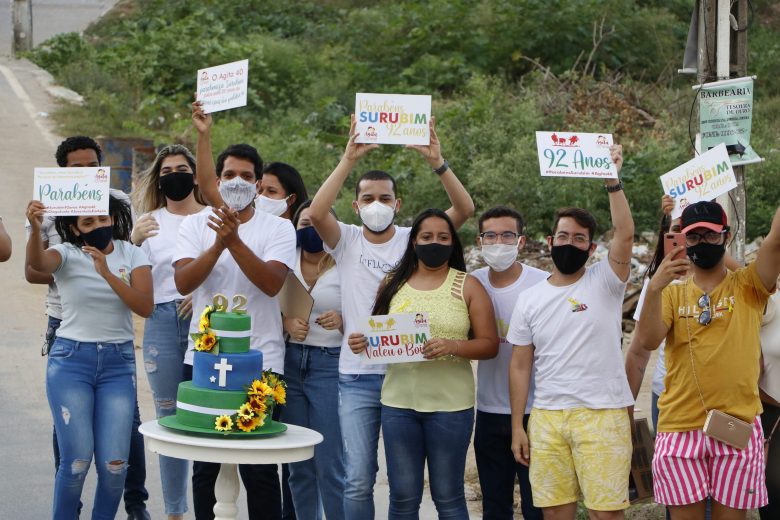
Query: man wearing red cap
x,y
711,324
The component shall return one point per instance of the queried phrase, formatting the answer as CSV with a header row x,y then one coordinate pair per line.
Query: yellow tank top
x,y
441,385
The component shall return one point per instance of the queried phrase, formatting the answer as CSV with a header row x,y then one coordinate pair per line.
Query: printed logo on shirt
x,y
503,330
725,304
373,263
577,306
123,275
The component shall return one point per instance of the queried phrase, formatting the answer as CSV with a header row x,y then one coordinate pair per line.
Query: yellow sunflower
x,y
260,388
224,423
248,424
246,411
280,394
270,379
204,324
257,403
206,342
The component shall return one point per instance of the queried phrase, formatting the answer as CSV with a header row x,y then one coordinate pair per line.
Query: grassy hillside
x,y
498,71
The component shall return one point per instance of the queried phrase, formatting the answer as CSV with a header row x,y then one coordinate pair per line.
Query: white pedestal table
x,y
294,445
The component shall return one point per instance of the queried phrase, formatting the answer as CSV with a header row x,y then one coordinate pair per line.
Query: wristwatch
x,y
615,188
443,168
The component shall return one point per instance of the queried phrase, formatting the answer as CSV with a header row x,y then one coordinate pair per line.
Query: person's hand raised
x,y
200,119
354,150
432,151
670,269
34,213
616,152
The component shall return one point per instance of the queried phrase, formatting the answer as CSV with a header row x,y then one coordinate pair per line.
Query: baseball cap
x,y
706,214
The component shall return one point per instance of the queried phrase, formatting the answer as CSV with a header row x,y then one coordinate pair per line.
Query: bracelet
x,y
613,189
443,168
618,261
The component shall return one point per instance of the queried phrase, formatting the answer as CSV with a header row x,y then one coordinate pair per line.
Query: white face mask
x,y
237,193
275,207
499,257
377,216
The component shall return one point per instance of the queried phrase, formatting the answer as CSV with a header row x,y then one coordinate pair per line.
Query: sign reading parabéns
x,y
566,154
73,191
395,338
392,119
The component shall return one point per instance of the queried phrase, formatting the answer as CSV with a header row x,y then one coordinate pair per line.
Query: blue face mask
x,y
309,240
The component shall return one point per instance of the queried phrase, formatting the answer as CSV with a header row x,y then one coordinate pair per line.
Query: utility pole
x,y
723,52
22,24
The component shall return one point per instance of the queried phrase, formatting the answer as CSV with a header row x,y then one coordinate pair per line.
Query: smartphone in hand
x,y
672,240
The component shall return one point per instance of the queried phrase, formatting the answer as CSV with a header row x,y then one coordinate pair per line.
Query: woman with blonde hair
x,y
166,194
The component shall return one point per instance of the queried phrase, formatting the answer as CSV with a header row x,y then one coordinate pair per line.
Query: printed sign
x,y
224,86
726,116
395,338
563,154
392,119
702,178
73,191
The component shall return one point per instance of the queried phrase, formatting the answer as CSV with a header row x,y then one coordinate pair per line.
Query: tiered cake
x,y
229,393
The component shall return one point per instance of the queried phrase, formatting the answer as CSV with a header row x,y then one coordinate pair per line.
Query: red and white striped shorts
x,y
689,466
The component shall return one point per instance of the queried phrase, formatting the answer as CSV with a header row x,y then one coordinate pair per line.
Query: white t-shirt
x,y
362,266
327,297
493,374
269,238
91,310
770,347
49,234
576,332
160,249
660,365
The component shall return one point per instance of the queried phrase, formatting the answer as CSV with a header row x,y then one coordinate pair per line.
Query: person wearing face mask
x,y
90,378
505,279
235,250
428,406
165,195
364,255
311,367
281,190
711,323
81,151
567,331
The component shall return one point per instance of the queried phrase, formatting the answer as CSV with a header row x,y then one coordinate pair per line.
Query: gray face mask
x,y
237,193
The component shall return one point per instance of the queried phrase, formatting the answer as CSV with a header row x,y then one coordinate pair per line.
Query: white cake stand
x,y
294,445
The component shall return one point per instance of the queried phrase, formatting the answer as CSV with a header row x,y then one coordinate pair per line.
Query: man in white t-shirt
x,y
236,250
364,255
567,329
505,279
84,152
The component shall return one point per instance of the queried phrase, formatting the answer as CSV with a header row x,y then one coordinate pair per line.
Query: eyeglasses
x,y
565,238
710,237
705,317
507,237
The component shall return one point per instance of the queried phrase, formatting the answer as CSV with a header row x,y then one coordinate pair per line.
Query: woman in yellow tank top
x,y
428,406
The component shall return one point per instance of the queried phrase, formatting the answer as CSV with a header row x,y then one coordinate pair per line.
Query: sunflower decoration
x,y
280,393
248,424
278,387
206,342
246,411
257,403
224,423
260,388
205,318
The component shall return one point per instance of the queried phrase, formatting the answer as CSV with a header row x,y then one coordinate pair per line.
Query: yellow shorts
x,y
580,450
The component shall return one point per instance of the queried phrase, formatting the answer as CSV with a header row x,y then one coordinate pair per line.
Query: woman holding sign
x,y
311,368
428,406
165,195
90,376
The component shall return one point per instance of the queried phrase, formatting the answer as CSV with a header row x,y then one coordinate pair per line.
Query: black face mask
x,y
569,258
706,255
177,185
433,255
99,238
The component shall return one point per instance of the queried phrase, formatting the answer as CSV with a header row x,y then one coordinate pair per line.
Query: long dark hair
x,y
118,209
408,263
658,256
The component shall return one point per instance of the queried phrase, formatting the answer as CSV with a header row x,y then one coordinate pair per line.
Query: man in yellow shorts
x,y
567,329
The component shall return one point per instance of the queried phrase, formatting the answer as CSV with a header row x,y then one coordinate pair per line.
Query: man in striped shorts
x,y
711,324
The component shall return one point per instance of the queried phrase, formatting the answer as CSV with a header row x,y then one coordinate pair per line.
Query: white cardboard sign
x,y
702,178
223,87
73,191
394,338
575,154
392,118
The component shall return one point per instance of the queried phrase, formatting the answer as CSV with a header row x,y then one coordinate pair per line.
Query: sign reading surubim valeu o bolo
x,y
395,338
392,119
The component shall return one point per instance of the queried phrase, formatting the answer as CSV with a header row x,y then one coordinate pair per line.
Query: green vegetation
x,y
498,71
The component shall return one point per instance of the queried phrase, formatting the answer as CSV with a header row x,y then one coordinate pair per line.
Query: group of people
x,y
552,395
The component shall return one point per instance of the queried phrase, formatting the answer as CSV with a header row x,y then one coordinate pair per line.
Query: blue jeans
x,y
92,396
312,375
441,439
360,416
165,343
498,468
